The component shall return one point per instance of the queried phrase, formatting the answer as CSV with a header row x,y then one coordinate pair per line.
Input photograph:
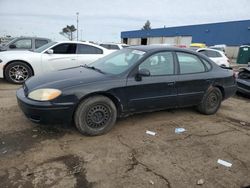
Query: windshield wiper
x,y
93,68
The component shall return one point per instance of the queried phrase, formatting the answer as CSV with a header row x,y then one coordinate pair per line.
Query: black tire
x,y
17,72
95,115
211,101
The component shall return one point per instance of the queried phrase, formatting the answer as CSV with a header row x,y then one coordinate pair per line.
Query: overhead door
x,y
155,40
134,41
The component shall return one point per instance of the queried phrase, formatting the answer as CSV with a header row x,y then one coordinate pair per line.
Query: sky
x,y
103,20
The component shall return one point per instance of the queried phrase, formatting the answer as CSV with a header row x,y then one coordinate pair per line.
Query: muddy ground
x,y
58,156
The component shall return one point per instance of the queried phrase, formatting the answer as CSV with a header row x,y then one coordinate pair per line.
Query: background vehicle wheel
x,y
211,101
95,115
17,72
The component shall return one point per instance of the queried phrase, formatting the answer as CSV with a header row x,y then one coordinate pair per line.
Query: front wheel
x,y
17,72
95,115
211,101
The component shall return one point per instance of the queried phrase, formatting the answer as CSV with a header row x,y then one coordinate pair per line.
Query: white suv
x,y
18,66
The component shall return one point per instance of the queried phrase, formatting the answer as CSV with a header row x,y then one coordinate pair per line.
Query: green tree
x,y
68,32
147,25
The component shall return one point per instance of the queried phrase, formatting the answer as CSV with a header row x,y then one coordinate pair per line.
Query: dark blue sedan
x,y
132,80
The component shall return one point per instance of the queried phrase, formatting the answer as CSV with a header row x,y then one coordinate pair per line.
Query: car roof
x,y
209,49
80,42
149,48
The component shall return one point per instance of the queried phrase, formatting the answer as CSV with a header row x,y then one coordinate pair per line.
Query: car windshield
x,y
118,62
44,47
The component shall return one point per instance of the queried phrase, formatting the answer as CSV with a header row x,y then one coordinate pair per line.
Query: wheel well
x,y
221,90
108,95
19,61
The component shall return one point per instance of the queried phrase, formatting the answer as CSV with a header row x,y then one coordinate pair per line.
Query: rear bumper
x,y
44,112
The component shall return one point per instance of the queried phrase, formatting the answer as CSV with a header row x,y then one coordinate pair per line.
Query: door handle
x,y
73,59
171,83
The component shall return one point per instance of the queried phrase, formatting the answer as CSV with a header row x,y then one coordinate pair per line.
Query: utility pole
x,y
77,14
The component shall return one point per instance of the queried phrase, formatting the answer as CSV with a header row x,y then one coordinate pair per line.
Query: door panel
x,y
191,89
156,91
192,80
54,62
64,56
151,93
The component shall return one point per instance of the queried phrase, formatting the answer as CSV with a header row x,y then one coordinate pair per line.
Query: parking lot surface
x,y
58,156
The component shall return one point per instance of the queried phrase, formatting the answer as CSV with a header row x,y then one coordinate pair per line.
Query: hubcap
x,y
18,73
212,100
98,116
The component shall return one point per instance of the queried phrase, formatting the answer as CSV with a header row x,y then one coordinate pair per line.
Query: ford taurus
x,y
132,80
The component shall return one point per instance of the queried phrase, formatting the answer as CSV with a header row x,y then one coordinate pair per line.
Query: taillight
x,y
235,74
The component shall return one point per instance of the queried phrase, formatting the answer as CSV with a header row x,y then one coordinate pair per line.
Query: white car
x,y
114,46
215,55
18,66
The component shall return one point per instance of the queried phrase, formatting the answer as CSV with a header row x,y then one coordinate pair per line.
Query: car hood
x,y
65,78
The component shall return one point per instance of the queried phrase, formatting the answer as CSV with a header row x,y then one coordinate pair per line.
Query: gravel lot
x,y
58,156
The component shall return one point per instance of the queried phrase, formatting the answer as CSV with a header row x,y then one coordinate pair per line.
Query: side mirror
x,y
50,51
142,73
12,46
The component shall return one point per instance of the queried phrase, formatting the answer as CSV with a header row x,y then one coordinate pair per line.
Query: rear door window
x,y
190,63
66,48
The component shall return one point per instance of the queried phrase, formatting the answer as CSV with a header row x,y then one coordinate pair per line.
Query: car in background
x,y
132,80
243,81
215,55
18,66
197,45
220,47
24,43
114,46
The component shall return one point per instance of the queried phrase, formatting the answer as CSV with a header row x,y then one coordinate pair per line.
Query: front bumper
x,y
1,70
44,112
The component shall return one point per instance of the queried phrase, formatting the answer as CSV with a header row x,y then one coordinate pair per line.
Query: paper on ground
x,y
179,130
224,163
151,133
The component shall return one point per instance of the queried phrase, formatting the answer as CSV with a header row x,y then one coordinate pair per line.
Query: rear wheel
x,y
211,101
95,115
17,72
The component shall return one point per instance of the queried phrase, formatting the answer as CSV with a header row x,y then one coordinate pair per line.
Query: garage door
x,y
185,40
170,40
134,41
155,40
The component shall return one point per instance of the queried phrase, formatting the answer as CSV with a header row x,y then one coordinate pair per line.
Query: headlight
x,y
44,94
